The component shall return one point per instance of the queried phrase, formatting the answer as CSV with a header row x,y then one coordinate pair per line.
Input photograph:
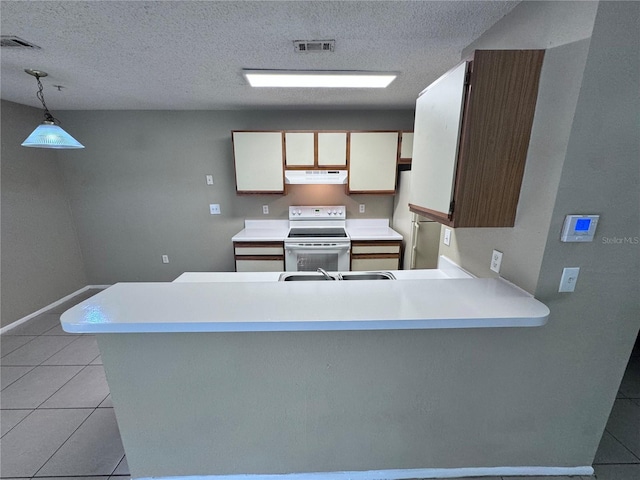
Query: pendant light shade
x,y
48,134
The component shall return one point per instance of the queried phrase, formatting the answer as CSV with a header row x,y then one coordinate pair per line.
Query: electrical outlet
x,y
165,258
265,209
361,209
447,237
496,261
209,179
214,209
569,279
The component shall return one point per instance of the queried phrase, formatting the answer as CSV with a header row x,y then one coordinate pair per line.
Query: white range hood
x,y
314,177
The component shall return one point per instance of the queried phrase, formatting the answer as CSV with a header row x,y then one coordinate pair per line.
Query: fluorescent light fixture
x,y
318,78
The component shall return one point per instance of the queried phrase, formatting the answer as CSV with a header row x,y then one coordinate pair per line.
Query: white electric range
x,y
317,239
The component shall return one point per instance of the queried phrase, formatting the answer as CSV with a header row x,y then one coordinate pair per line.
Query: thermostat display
x,y
579,228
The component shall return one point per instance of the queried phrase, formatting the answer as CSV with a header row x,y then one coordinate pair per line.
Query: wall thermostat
x,y
579,228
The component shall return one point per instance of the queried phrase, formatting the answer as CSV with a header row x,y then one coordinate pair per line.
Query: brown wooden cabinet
x,y
368,255
471,138
259,256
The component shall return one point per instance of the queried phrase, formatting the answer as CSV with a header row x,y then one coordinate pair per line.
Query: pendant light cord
x,y
47,114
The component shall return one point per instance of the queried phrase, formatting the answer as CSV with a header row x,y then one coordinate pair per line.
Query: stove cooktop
x,y
317,232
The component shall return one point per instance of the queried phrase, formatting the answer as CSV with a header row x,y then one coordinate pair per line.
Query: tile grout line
x,y
9,353
119,462
61,386
55,353
7,386
27,416
63,443
625,447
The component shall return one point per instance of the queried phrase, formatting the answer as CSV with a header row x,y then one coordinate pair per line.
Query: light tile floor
x,y
57,421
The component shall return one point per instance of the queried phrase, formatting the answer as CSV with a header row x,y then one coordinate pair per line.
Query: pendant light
x,y
48,134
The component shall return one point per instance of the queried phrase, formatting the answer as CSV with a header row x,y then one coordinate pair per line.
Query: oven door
x,y
308,257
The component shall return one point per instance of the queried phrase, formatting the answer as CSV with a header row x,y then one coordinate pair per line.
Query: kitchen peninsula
x,y
220,374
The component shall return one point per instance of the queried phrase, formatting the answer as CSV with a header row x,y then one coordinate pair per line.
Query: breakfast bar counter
x,y
217,376
240,302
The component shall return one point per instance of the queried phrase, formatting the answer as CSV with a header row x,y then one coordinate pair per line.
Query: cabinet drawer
x,y
364,249
257,265
275,250
368,264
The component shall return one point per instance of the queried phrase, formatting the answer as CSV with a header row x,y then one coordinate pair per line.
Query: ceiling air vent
x,y
16,42
308,46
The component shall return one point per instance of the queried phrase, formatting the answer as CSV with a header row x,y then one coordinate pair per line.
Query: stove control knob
x,y
299,212
340,211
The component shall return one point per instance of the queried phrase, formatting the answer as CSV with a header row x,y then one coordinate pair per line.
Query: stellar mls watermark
x,y
621,240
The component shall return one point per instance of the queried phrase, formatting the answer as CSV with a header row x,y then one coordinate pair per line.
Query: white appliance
x,y
421,236
315,177
317,239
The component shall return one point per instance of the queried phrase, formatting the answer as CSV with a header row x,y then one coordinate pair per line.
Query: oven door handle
x,y
317,247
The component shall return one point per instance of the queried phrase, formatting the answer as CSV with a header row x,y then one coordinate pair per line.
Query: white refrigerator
x,y
421,236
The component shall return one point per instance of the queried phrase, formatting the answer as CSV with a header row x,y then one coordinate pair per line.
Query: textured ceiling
x,y
189,55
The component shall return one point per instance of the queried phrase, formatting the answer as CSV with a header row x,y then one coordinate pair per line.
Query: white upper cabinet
x,y
299,149
406,147
259,163
313,150
435,141
332,149
471,137
373,161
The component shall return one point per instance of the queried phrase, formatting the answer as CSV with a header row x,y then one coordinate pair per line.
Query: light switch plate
x,y
447,237
569,279
496,261
209,179
214,209
165,258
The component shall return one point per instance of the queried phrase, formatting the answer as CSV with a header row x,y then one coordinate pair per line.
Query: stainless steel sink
x,y
292,277
368,276
298,277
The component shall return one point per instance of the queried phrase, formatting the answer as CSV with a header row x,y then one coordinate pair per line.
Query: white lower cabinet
x,y
259,256
367,255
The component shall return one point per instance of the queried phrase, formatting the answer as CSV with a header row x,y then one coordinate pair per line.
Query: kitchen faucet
x,y
324,272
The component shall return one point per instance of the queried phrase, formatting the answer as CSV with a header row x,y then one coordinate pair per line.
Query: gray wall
x,y
598,324
41,259
138,189
583,158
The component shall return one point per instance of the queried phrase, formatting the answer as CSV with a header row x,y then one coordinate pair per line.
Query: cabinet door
x,y
332,149
299,149
406,147
373,160
436,136
258,158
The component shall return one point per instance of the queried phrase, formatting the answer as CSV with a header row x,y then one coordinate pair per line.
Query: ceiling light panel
x,y
318,79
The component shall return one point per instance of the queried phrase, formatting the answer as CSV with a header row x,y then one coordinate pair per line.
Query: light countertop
x,y
423,299
277,230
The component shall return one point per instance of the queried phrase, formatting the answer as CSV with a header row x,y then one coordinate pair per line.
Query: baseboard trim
x,y
13,325
397,474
